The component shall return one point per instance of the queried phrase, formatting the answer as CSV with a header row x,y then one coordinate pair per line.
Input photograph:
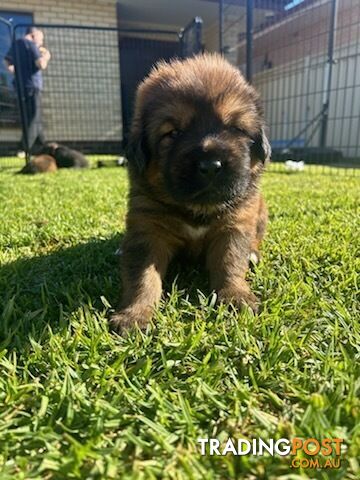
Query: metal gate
x,y
91,80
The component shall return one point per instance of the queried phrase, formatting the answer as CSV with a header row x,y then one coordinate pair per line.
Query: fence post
x,y
328,74
198,34
195,29
249,38
21,97
221,26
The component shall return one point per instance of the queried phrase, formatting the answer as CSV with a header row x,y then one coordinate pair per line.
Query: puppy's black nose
x,y
210,168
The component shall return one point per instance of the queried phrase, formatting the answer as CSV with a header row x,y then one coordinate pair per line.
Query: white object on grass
x,y
294,166
121,161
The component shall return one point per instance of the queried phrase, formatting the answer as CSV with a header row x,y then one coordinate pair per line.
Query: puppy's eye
x,y
172,134
238,130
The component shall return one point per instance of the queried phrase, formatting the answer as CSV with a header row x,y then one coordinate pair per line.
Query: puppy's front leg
x,y
228,261
144,263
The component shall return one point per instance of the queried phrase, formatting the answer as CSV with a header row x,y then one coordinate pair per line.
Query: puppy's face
x,y
49,148
198,136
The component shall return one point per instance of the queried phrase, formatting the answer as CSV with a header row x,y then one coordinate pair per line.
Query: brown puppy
x,y
197,148
40,164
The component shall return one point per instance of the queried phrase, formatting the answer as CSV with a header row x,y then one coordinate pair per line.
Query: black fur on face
x,y
206,162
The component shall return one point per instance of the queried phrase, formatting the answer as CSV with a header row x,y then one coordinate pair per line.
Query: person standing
x,y
31,59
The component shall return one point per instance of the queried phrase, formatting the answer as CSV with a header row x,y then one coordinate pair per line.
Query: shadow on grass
x,y
45,290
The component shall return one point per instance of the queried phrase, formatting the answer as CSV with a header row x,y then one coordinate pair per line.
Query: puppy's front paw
x,y
240,296
128,318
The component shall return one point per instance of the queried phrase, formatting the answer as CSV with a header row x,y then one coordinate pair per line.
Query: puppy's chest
x,y
194,234
194,239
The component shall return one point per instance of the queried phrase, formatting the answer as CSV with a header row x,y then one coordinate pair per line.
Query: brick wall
x,y
87,12
81,99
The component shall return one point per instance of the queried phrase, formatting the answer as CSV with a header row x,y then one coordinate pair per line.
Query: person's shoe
x,y
21,154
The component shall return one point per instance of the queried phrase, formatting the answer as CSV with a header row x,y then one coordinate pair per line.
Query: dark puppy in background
x,y
197,149
65,157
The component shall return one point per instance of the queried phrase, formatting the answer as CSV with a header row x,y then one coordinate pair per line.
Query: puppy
x,y
196,151
65,157
40,164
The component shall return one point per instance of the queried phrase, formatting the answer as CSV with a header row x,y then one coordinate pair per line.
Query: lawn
x,y
79,402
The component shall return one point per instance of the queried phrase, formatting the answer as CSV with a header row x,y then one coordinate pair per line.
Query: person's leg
x,y
30,119
25,123
35,133
22,107
40,138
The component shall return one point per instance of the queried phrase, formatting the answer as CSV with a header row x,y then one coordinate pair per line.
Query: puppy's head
x,y
198,136
49,148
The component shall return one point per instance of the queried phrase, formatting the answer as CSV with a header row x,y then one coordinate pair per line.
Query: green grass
x,y
79,402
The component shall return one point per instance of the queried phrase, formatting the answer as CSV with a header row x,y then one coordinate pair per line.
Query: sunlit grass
x,y
79,402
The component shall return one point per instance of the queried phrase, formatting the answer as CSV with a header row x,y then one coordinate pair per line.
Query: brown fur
x,y
40,164
189,114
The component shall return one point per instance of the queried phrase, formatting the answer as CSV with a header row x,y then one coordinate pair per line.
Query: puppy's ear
x,y
137,151
260,149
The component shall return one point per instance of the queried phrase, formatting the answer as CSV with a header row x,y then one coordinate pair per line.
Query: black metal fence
x,y
303,57
89,85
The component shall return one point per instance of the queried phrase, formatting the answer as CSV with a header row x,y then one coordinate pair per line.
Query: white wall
x,y
293,95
